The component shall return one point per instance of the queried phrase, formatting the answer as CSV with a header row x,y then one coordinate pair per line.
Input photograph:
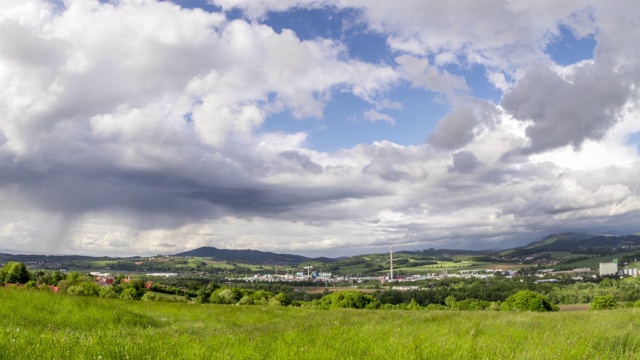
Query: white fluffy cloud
x,y
137,126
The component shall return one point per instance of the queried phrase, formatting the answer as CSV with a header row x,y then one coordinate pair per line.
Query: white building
x,y
610,268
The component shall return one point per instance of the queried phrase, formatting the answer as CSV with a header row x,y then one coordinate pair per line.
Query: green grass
x,y
594,263
36,325
458,266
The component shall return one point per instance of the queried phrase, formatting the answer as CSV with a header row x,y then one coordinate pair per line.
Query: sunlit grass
x,y
39,325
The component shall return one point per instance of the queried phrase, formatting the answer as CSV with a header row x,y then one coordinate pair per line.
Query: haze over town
x,y
315,127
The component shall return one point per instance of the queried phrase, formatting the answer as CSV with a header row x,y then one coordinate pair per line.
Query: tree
x,y
603,302
108,292
226,296
450,301
84,288
413,305
280,299
130,293
14,272
527,300
348,299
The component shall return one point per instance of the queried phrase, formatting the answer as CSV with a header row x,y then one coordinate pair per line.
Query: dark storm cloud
x,y
74,190
566,111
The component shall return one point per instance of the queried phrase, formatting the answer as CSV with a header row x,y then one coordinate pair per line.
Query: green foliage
x,y
73,278
527,300
63,286
84,289
135,283
14,272
204,293
108,292
261,297
413,305
130,293
280,299
227,295
473,305
450,302
149,296
604,302
40,325
348,299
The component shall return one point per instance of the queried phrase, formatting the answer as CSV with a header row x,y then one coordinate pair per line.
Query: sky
x,y
315,127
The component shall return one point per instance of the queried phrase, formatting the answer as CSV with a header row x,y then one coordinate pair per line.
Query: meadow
x,y
43,325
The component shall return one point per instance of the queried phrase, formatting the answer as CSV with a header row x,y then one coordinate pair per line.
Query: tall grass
x,y
40,325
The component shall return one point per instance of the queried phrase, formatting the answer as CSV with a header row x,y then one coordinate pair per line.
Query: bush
x,y
280,299
472,304
149,296
14,272
527,300
130,294
261,297
108,292
348,299
84,289
604,302
226,296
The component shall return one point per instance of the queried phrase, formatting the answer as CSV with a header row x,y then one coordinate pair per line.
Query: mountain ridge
x,y
249,255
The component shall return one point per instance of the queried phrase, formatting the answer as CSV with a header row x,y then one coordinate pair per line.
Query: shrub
x,y
261,297
108,292
526,300
130,294
280,299
149,296
225,296
348,299
84,289
63,286
450,302
14,272
472,304
603,302
246,300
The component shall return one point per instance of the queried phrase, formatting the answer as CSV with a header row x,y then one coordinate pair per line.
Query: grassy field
x,y
458,266
594,263
41,325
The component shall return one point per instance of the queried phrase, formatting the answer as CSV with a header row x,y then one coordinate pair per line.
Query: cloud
x,y
566,111
151,128
374,116
464,162
455,130
421,74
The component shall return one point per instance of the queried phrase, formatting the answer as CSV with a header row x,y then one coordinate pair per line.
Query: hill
x,y
577,243
250,256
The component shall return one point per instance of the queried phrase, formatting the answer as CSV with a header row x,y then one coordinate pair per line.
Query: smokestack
x,y
391,261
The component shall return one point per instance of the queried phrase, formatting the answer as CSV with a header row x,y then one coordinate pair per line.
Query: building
x,y
610,268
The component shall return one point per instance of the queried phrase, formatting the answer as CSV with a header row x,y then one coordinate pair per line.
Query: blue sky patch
x,y
567,49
